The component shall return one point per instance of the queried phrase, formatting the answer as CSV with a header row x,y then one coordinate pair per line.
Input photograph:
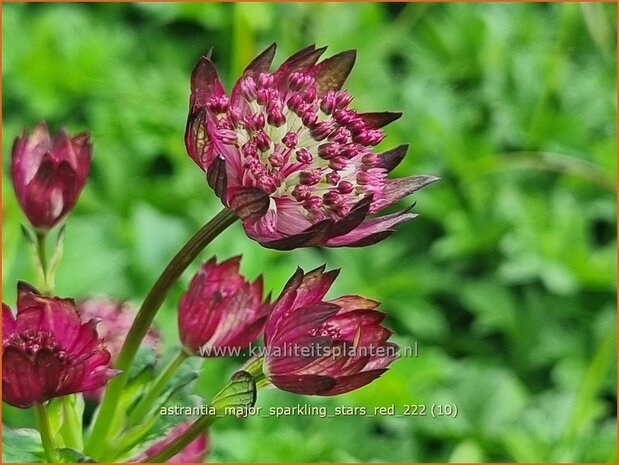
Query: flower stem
x,y
147,400
41,237
46,435
72,425
97,439
240,392
41,250
255,367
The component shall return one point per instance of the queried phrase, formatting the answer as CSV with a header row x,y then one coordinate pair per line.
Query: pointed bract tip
x,y
24,288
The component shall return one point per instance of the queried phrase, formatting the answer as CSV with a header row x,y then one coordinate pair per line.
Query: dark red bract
x,y
47,352
220,309
49,174
289,155
324,348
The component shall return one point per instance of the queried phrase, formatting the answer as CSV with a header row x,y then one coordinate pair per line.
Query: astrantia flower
x,y
194,452
47,352
115,318
289,155
49,174
324,348
220,309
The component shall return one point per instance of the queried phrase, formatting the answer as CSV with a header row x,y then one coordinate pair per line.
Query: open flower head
x,y
322,347
47,351
49,173
220,309
286,151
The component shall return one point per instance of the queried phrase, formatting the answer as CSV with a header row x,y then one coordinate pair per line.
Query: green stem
x,y
71,429
234,394
42,256
46,434
254,366
41,251
97,439
147,400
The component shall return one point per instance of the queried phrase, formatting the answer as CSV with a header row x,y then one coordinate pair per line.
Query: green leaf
x,y
69,455
21,446
240,392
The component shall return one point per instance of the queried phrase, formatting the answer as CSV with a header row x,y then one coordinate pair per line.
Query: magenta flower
x,y
287,153
324,348
194,452
220,309
47,352
49,174
115,318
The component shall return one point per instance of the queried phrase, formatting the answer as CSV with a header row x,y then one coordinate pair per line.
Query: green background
x,y
507,278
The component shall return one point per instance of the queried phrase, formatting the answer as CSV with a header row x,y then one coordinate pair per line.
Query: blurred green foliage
x,y
507,279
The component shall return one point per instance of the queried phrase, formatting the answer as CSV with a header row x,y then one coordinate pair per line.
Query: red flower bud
x,y
220,309
47,352
49,174
324,348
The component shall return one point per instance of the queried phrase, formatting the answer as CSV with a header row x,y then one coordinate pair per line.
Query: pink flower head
x,y
220,309
115,318
47,352
49,174
324,348
287,153
194,452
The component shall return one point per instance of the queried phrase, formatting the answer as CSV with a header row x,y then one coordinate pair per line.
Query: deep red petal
x,y
205,83
314,285
398,188
392,158
21,386
371,231
377,120
352,382
304,384
97,378
217,178
249,203
300,321
283,304
9,326
384,360
300,61
354,218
